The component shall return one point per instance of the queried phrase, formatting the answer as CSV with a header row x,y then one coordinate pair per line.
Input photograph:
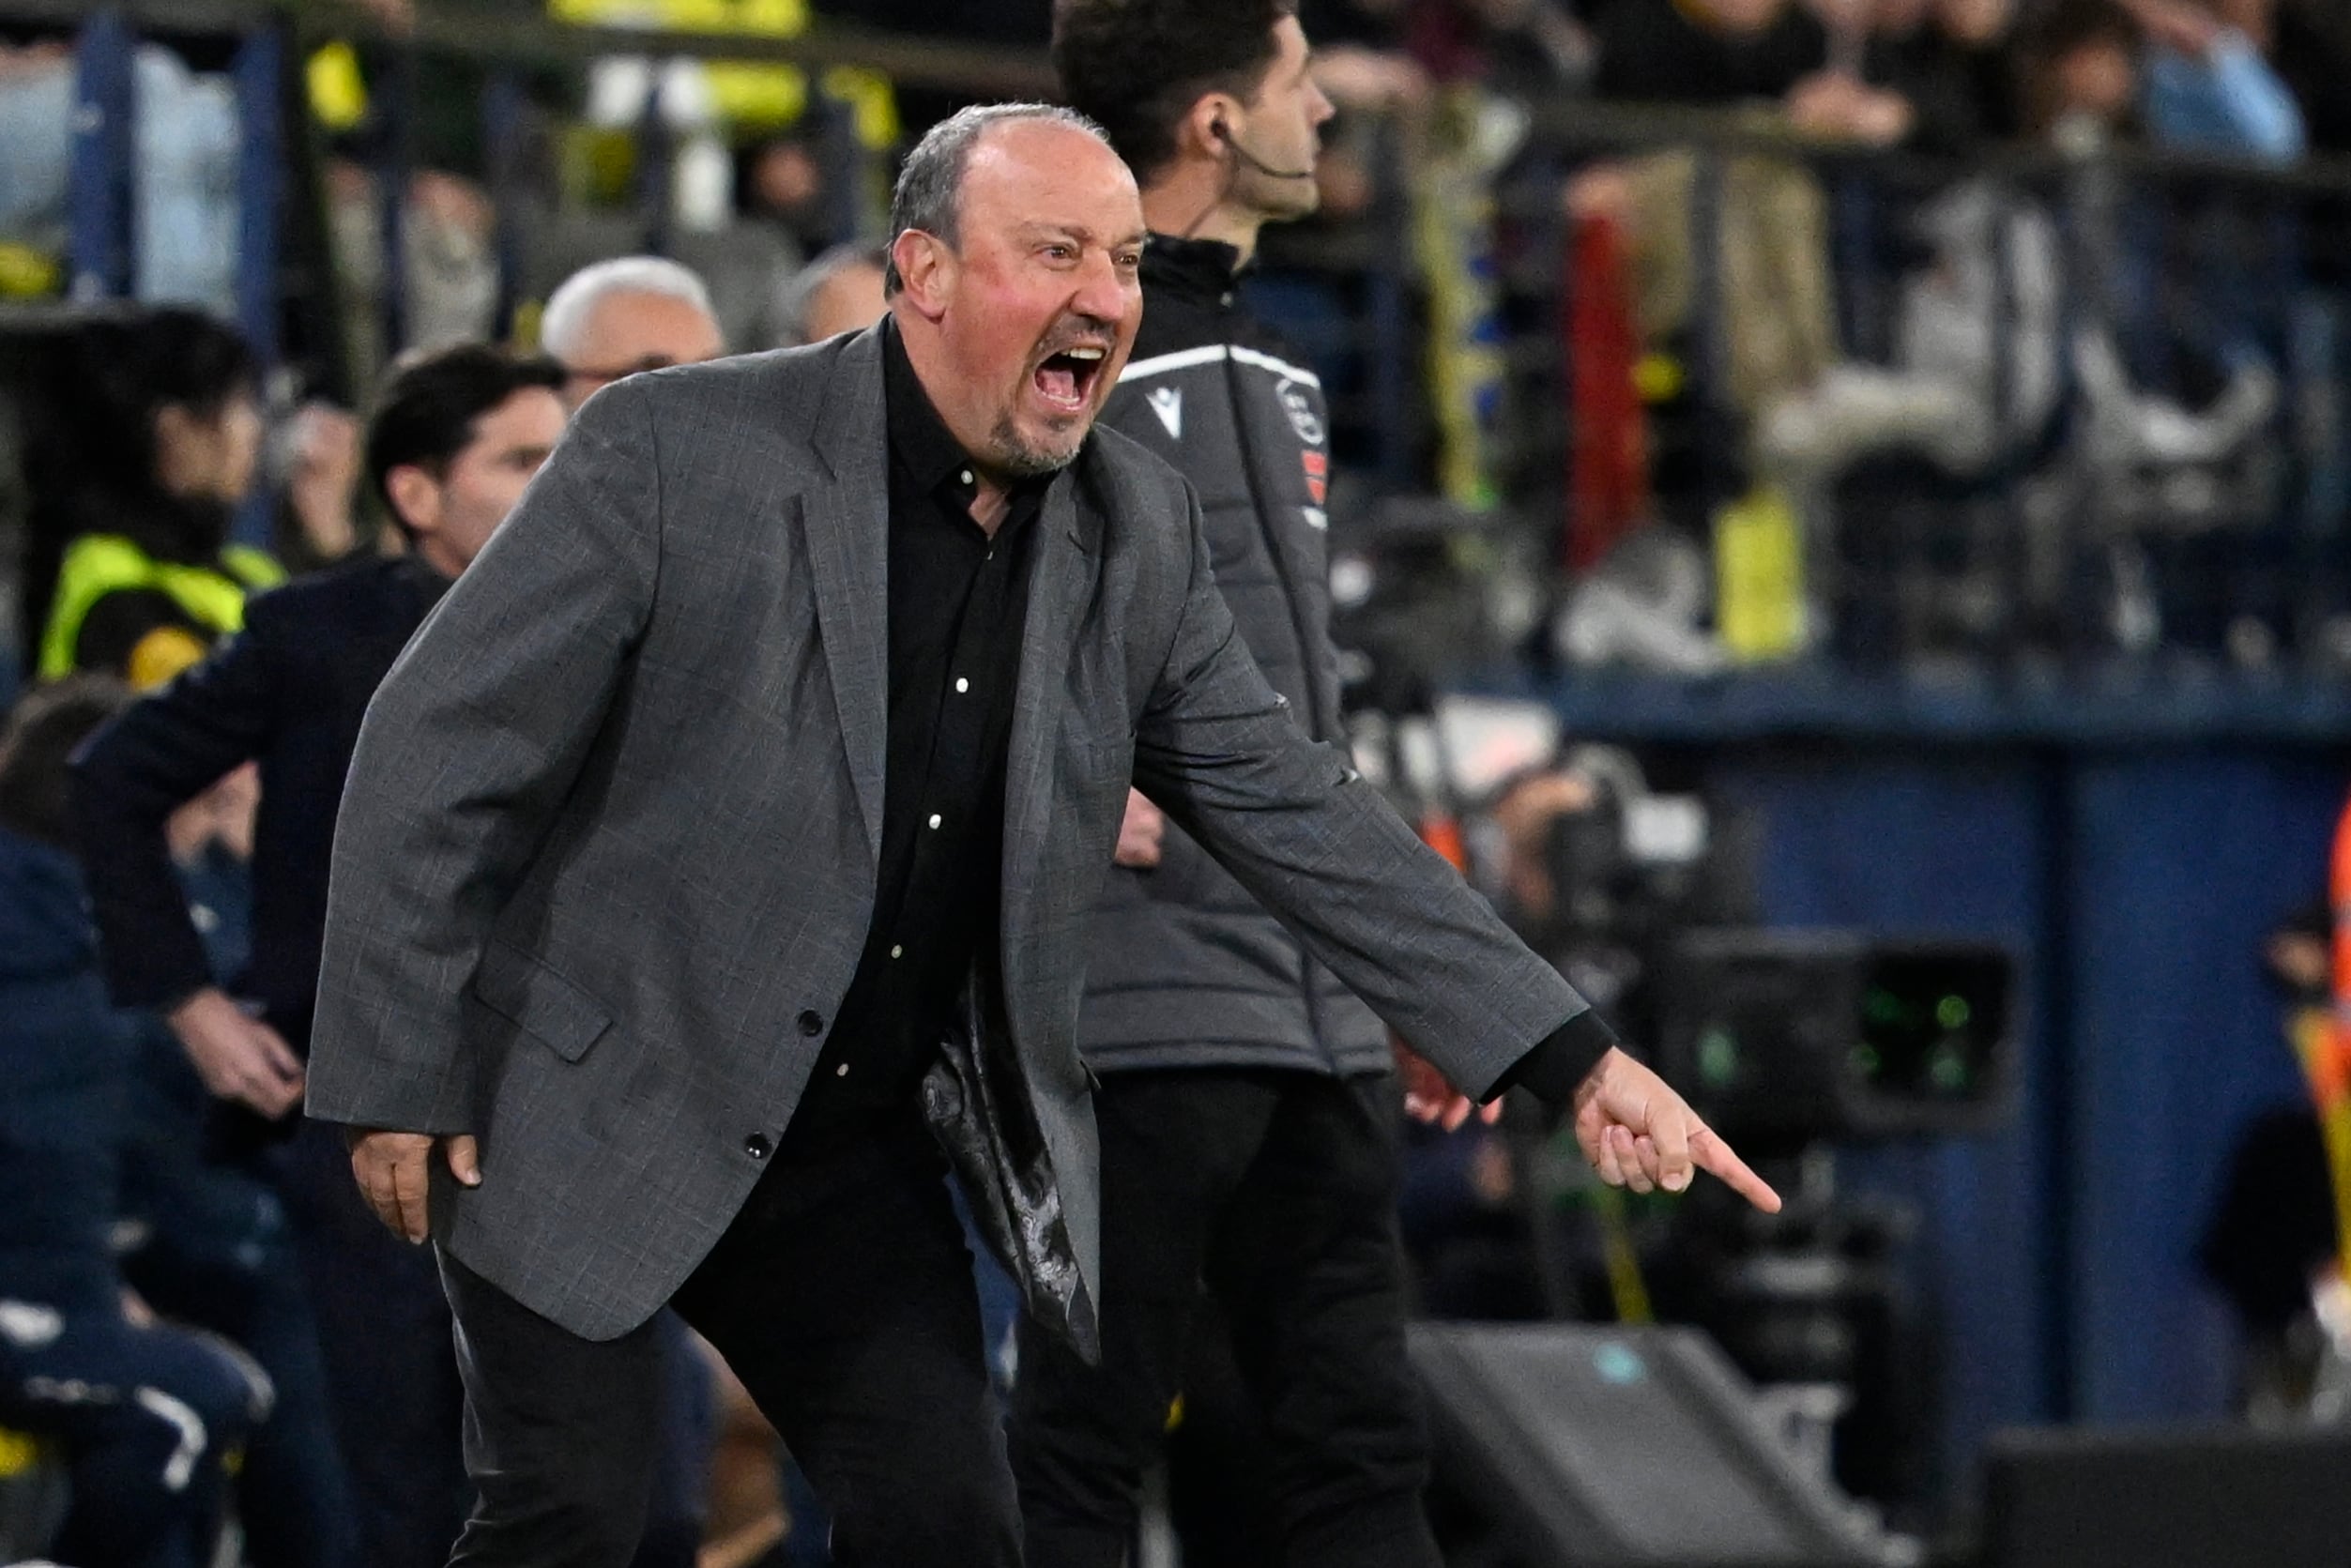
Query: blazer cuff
x,y
1559,1062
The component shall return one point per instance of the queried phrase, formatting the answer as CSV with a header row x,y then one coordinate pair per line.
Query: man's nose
x,y
1103,291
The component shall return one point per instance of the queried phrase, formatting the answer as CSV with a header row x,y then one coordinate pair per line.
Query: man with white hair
x,y
631,314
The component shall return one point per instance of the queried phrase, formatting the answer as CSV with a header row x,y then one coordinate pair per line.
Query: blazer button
x,y
812,1023
756,1146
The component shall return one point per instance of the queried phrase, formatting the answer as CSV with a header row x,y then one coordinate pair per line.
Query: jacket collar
x,y
1203,267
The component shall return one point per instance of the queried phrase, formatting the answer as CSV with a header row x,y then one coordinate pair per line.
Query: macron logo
x,y
1167,402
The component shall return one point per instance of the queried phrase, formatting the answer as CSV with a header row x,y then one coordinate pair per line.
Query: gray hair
x,y
929,193
800,291
565,320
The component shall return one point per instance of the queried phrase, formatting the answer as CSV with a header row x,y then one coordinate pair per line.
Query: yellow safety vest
x,y
95,565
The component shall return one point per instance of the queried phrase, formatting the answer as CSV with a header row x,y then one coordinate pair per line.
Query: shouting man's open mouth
x,y
1065,379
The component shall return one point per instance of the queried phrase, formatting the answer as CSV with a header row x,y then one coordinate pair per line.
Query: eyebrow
x,y
1080,234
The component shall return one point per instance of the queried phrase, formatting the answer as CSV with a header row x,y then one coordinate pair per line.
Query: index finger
x,y
1713,1155
408,1180
375,1180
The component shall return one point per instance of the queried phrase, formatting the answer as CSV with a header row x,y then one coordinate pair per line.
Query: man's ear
x,y
1207,129
416,497
926,272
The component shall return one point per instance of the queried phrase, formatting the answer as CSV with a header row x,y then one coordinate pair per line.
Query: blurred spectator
x,y
838,292
1709,51
208,1242
2079,63
146,1415
448,267
780,184
621,317
319,456
387,103
2208,90
1950,61
1531,48
142,577
2271,1237
183,169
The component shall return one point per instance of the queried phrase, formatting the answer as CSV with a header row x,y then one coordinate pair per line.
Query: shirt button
x,y
812,1023
897,952
934,819
962,685
842,1071
964,477
756,1146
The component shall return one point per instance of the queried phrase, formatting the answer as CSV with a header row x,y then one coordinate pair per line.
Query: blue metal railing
x,y
105,110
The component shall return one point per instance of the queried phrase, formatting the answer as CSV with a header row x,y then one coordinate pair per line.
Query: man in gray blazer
x,y
715,865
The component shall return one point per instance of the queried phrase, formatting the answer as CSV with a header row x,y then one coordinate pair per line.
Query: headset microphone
x,y
1216,128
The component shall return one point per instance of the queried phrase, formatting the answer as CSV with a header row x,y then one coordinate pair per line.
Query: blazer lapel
x,y
1063,577
846,522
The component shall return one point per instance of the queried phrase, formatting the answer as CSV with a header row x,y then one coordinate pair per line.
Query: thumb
x,y
465,1160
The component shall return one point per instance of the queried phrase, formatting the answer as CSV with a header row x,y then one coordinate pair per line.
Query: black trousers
x,y
841,1297
1276,1192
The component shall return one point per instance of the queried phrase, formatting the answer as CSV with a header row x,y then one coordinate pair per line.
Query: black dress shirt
x,y
957,599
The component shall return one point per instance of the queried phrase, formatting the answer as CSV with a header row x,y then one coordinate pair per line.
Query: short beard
x,y
1023,459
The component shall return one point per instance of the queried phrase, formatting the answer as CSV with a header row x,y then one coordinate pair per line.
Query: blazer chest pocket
x,y
525,991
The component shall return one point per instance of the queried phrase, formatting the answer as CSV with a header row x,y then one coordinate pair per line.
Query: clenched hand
x,y
1140,833
238,1057
392,1170
1430,1097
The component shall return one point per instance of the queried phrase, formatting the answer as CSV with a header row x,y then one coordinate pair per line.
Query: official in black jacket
x,y
455,438
1247,1111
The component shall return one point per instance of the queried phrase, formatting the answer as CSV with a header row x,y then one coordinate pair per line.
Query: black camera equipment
x,y
1784,1037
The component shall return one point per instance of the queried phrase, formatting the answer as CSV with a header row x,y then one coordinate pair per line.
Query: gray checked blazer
x,y
608,854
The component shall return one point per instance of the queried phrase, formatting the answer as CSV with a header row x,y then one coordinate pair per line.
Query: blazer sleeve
x,y
467,749
157,755
1322,851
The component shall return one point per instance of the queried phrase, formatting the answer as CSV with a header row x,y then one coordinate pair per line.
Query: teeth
x,y
1083,353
